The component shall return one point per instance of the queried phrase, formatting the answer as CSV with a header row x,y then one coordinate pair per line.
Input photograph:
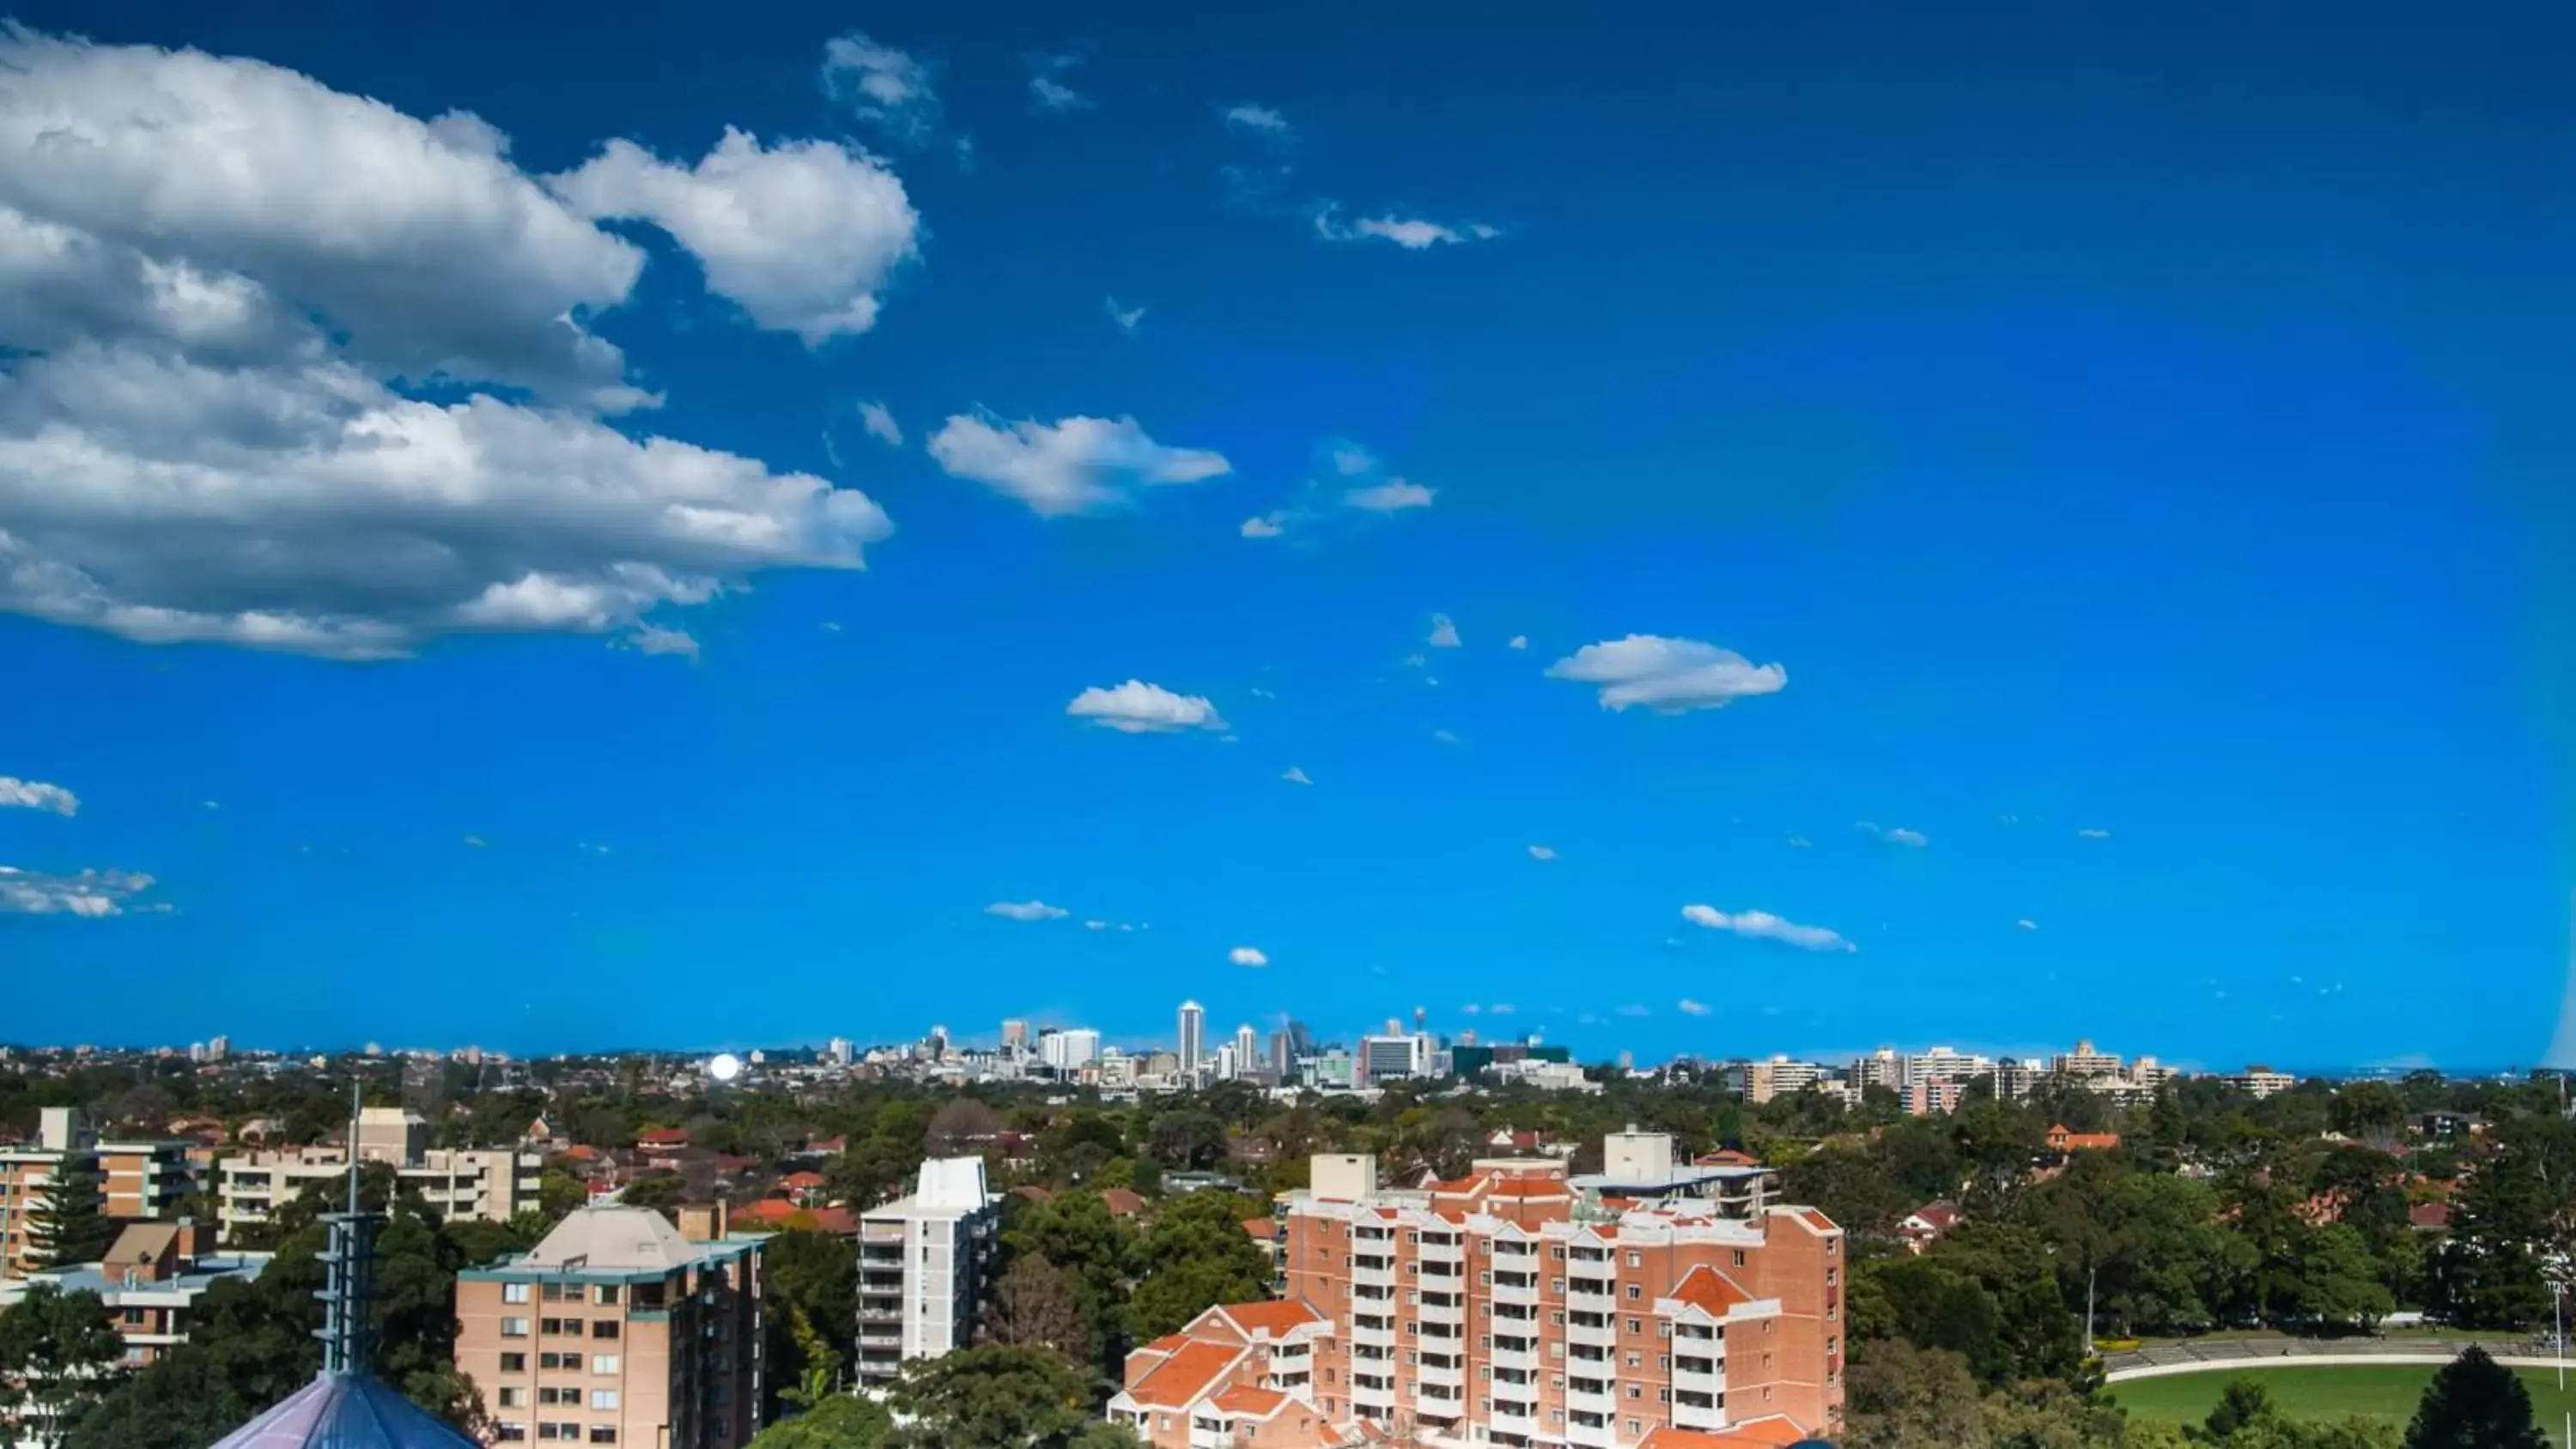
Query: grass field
x,y
2384,1392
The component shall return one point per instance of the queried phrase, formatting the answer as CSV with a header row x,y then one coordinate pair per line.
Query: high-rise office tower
x,y
1193,1035
1247,1050
1015,1033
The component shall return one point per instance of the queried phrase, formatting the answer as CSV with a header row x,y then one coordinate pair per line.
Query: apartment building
x,y
494,1185
2262,1081
1515,1307
921,1267
619,1328
2085,1062
130,1180
1778,1077
150,1282
1935,1098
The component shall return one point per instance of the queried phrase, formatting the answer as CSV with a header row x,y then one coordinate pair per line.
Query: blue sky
x,y
2100,484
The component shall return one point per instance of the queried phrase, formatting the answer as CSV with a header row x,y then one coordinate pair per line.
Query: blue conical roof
x,y
345,1411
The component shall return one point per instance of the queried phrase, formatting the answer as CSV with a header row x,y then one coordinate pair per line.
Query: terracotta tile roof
x,y
1262,1228
2430,1216
1274,1318
1246,1399
802,1179
1187,1374
1771,1433
1706,1288
1122,1203
1814,1219
1168,1343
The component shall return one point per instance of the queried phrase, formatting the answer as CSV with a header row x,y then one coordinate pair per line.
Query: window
x,y
603,1363
1635,1392
603,1398
514,1328
1664,1329
1556,1286
514,1292
514,1397
134,1315
510,1433
562,1293
1636,1291
1636,1361
606,1433
514,1363
608,1293
1636,1260
1559,1317
1668,1395
1638,1325
1739,1257
1632,1426
1557,1252
604,1328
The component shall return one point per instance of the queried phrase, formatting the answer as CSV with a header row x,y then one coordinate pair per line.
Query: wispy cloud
x,y
1351,460
1392,496
1799,842
1026,911
475,842
1518,641
1688,1007
890,89
2027,924
654,639
1138,708
1444,633
1632,1010
1668,676
1893,834
1295,776
37,795
1076,465
880,424
1764,926
1268,525
1260,121
1541,852
2093,834
1414,234
1046,82
1127,318
1446,737
91,893
1252,956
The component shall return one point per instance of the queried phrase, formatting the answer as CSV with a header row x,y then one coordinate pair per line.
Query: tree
x,y
1197,1256
660,1191
962,1127
842,1422
55,1351
813,1279
2475,1403
1034,1302
2337,1280
1002,1393
1903,1397
71,1224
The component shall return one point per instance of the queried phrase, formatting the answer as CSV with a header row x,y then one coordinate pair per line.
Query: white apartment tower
x,y
1193,1036
921,1267
1247,1051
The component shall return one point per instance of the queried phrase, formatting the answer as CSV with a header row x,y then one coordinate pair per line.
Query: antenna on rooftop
x,y
349,1270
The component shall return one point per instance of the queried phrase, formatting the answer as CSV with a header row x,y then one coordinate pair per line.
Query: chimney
x,y
705,1222
196,1239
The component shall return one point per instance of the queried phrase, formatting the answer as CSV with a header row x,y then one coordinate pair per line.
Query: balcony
x,y
1442,1308
1520,1419
1590,1431
1439,1401
1372,1332
1435,1250
1591,1295
1451,1375
1698,1411
1698,1376
1523,1356
1517,1288
1601,1334
1372,1272
1590,1396
1373,1391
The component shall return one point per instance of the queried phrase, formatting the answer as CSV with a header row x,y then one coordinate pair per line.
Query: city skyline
x,y
1332,546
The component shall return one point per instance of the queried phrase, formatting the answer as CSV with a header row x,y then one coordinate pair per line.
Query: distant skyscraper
x,y
840,1051
1283,1057
218,1049
1015,1033
1247,1050
1224,1068
1069,1050
1193,1035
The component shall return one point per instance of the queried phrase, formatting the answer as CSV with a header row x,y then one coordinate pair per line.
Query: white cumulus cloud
x,y
1268,525
1392,496
1247,956
880,424
1139,708
1762,925
804,235
1046,82
218,282
1541,852
1444,633
2093,834
2027,924
1076,465
891,89
1127,318
1518,641
91,893
1688,1007
653,639
1668,676
1026,911
1894,834
1296,776
1351,460
37,795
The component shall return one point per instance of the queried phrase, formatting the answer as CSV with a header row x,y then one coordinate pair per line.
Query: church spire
x,y
347,1331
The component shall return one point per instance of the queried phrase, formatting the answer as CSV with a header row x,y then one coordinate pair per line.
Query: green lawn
x,y
2384,1392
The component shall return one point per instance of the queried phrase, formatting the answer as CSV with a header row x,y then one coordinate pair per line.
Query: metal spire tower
x,y
347,1330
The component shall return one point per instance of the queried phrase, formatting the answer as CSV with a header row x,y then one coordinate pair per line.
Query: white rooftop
x,y
613,1236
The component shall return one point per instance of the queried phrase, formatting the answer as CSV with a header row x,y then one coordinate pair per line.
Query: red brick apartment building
x,y
1517,1306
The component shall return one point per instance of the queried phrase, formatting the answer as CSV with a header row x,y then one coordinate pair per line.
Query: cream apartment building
x,y
493,1185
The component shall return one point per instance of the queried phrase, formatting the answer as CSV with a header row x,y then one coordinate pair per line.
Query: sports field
x,y
2383,1392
